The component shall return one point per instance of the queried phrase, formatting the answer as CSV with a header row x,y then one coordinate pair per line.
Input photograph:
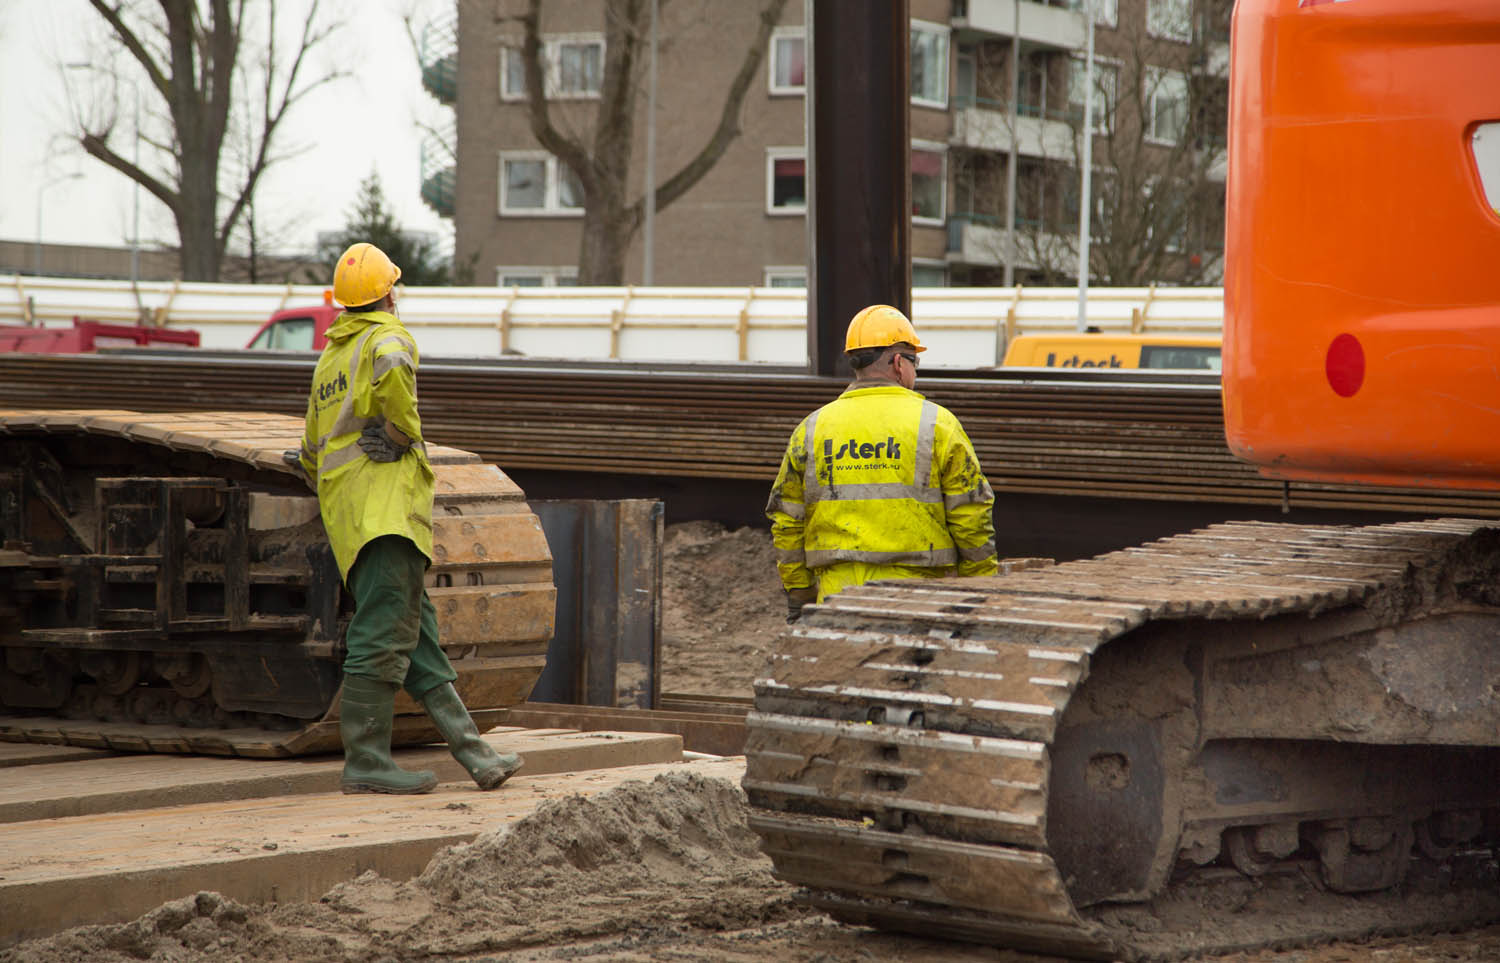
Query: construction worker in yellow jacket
x,y
879,483
363,449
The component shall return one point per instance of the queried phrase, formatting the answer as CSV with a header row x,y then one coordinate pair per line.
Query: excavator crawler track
x,y
166,586
1122,757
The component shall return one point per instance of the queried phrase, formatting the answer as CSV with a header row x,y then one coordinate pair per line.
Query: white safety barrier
x,y
965,327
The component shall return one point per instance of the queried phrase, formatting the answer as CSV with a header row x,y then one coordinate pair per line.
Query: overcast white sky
x,y
310,192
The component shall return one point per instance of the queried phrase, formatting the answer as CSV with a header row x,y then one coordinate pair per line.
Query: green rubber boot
x,y
365,726
488,767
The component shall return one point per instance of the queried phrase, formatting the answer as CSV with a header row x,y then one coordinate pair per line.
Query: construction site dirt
x,y
660,868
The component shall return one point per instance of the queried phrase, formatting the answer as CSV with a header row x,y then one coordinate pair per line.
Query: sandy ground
x,y
722,608
665,871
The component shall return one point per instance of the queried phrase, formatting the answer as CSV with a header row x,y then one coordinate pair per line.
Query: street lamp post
x,y
41,191
1085,190
135,194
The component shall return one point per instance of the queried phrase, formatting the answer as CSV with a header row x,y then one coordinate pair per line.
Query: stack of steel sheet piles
x,y
1138,435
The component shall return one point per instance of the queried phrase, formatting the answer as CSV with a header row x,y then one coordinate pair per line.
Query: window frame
x,y
774,273
934,264
1154,24
941,149
1178,241
773,154
551,65
1112,7
550,204
772,87
1155,78
1112,95
945,33
549,275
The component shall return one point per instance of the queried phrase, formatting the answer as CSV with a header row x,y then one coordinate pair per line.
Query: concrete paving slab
x,y
104,783
114,866
32,754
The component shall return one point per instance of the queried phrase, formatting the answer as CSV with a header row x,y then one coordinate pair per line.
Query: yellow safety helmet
x,y
363,275
880,326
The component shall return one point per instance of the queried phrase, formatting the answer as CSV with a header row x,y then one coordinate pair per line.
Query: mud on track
x,y
665,871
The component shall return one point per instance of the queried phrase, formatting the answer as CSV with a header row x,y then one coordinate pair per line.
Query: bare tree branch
x,y
729,119
602,166
201,51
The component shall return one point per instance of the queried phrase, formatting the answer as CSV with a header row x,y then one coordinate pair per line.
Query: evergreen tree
x,y
371,220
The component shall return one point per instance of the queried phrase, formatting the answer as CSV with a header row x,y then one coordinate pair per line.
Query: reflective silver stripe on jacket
x,y
978,553
934,558
778,504
976,495
791,556
810,461
347,422
926,439
916,493
385,362
922,489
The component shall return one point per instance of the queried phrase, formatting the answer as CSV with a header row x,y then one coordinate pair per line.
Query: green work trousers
x,y
393,636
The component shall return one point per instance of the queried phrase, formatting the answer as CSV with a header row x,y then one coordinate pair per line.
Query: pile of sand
x,y
671,860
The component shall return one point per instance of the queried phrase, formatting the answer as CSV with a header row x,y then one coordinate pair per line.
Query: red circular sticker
x,y
1345,365
350,261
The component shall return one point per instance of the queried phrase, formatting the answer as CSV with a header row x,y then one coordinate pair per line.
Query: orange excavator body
x,y
1362,270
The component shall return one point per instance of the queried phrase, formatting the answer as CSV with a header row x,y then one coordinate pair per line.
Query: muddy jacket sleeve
x,y
968,503
788,513
394,381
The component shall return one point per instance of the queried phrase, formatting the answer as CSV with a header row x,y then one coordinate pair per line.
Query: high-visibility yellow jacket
x,y
367,371
880,483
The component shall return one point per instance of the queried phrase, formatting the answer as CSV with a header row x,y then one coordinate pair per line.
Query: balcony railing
x,y
1071,114
1050,23
439,56
439,173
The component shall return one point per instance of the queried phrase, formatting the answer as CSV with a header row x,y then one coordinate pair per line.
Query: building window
x,y
1102,188
1167,99
1106,80
580,68
786,277
1106,12
966,79
927,182
1034,70
1171,19
788,60
512,74
537,277
786,180
573,66
929,64
933,275
536,183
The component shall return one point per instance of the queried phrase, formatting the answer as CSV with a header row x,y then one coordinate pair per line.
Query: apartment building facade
x,y
518,210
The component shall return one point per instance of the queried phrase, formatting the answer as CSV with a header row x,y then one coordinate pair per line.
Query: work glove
x,y
379,446
293,458
797,598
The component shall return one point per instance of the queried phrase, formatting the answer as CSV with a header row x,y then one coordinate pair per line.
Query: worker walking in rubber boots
x,y
363,448
879,483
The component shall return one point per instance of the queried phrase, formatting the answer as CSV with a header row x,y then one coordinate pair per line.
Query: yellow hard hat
x,y
363,275
880,326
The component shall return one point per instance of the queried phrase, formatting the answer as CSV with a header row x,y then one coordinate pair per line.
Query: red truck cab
x,y
297,329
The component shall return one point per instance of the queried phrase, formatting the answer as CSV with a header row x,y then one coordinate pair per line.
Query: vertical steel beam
x,y
859,168
606,564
